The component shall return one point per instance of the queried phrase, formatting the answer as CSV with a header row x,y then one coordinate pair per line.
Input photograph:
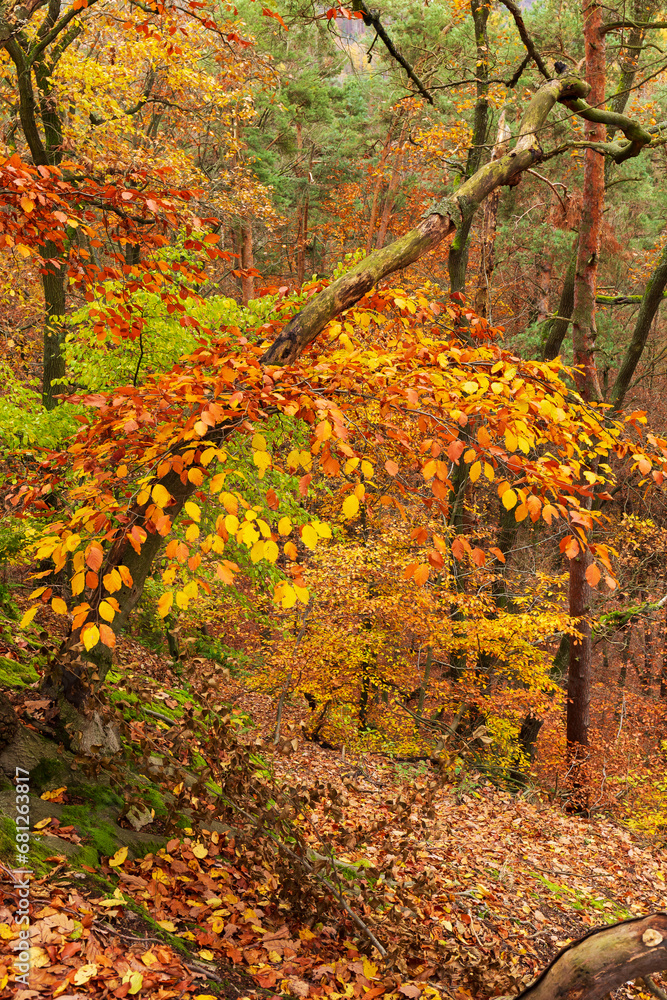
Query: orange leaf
x,y
107,637
391,467
94,556
421,574
593,575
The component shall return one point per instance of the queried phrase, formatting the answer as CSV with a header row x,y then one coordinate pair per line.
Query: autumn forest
x,y
333,481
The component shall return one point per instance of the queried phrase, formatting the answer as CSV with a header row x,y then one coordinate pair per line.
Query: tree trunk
x,y
602,960
487,237
53,282
583,339
392,188
457,263
247,262
579,684
648,310
555,329
377,187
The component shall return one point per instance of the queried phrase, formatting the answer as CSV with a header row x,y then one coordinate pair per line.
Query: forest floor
x,y
472,902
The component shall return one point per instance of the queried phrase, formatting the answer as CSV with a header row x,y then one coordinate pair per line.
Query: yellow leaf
x,y
91,637
284,526
192,532
509,499
193,511
196,477
136,982
257,551
118,858
42,823
200,851
367,470
217,482
167,925
106,611
309,536
112,581
259,442
232,524
511,440
84,974
289,597
59,606
28,616
322,529
350,506
271,551
301,593
164,604
475,471
160,495
230,503
350,465
262,460
370,969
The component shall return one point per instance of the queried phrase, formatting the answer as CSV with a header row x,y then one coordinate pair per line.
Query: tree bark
x,y
648,310
372,222
604,959
392,188
247,262
54,278
489,226
457,263
555,329
583,340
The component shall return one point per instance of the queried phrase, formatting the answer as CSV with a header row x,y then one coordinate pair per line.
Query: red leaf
x,y
272,499
304,483
271,13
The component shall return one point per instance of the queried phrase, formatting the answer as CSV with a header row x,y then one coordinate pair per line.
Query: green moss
x,y
47,774
16,675
101,833
154,800
99,795
86,855
7,840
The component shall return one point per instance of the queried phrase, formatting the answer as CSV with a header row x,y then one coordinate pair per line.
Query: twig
x,y
161,716
652,988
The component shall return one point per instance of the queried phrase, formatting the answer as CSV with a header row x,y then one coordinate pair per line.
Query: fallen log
x,y
605,958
